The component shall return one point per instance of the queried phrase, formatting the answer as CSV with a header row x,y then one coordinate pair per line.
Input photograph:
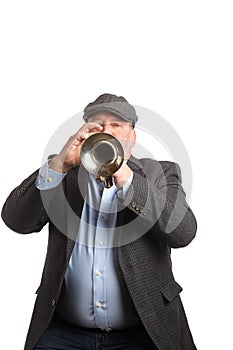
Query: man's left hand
x,y
122,175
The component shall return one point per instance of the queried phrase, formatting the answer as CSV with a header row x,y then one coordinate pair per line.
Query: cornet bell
x,y
102,155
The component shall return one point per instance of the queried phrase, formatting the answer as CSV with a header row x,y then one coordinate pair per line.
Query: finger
x,y
81,136
91,126
86,128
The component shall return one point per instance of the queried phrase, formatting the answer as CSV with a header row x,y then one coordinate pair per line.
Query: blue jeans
x,y
63,336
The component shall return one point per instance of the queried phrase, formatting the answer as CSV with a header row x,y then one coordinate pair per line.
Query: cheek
x,y
119,134
123,137
127,143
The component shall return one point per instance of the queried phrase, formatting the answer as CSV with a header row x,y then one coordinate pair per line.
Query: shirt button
x,y
102,216
101,189
49,179
53,302
98,273
98,305
101,243
42,175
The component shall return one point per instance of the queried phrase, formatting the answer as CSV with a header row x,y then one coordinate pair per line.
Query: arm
x,y
159,203
23,210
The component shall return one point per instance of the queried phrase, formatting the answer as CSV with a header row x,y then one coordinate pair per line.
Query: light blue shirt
x,y
94,294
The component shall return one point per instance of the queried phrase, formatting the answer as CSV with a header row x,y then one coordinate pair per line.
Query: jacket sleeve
x,y
23,211
158,203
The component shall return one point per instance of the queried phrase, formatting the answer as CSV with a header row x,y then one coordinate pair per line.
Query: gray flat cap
x,y
113,104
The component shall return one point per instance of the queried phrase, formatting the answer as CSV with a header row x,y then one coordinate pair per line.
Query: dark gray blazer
x,y
155,205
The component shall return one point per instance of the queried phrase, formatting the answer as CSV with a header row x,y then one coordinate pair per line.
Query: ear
x,y
133,137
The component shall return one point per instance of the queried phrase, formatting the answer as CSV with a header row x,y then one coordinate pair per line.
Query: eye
x,y
116,125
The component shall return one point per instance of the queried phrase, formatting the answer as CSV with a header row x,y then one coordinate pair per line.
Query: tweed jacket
x,y
153,218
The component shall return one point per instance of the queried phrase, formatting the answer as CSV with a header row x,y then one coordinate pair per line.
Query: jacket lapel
x,y
135,165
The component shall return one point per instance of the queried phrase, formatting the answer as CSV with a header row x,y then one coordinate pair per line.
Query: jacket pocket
x,y
171,290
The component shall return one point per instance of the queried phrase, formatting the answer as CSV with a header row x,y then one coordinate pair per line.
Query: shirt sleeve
x,y
48,178
122,192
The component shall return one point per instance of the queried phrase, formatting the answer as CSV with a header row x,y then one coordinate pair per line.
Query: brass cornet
x,y
102,155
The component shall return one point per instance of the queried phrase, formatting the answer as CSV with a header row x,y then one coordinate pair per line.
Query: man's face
x,y
118,128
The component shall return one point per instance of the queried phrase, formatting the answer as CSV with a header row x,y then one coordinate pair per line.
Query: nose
x,y
107,129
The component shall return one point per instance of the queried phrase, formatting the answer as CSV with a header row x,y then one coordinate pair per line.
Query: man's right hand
x,y
69,156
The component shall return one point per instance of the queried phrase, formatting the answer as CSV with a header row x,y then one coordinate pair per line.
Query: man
x,y
107,281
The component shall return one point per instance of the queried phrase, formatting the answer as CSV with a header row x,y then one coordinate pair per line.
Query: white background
x,y
173,57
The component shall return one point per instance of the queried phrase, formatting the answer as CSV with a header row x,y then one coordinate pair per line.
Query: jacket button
x,y
53,302
133,204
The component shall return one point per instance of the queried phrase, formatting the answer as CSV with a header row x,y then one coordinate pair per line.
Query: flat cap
x,y
113,104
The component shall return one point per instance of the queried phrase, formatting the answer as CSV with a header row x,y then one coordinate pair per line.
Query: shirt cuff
x,y
122,192
48,178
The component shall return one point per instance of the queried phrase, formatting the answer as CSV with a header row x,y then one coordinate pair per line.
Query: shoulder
x,y
153,167
171,168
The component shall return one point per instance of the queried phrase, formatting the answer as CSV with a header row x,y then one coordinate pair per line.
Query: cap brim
x,y
96,110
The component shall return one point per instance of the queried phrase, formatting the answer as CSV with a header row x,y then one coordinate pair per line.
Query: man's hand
x,y
69,156
122,175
